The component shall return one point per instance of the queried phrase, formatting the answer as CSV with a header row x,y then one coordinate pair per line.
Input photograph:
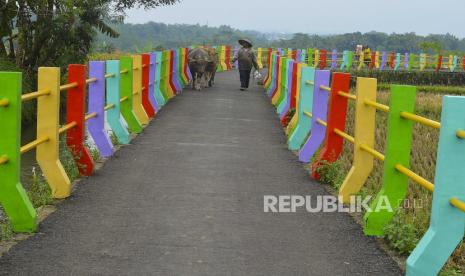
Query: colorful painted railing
x,y
376,60
133,88
319,122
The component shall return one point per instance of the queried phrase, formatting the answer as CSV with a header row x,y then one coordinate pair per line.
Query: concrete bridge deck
x,y
186,198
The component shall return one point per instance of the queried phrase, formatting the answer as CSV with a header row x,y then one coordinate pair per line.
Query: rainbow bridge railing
x,y
320,100
134,88
375,60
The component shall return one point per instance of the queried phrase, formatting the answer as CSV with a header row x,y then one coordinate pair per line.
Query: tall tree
x,y
56,32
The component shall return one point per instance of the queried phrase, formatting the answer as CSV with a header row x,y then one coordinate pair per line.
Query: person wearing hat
x,y
246,59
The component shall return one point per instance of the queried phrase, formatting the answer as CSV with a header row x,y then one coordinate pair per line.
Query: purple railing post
x,y
298,56
406,60
236,64
152,69
96,125
320,114
334,59
383,61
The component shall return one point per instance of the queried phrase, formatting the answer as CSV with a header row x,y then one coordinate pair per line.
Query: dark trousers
x,y
245,78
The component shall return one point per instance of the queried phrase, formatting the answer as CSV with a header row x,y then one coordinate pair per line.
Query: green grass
x,y
39,192
94,152
435,89
114,139
6,232
67,160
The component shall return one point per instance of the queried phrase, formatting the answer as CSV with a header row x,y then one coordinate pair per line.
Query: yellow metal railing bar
x,y
325,88
377,105
347,95
460,134
91,80
109,106
4,159
415,177
33,144
35,95
67,127
68,86
457,203
376,154
4,102
344,135
421,120
321,122
90,116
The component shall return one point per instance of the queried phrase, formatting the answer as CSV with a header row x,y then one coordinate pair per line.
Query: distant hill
x,y
148,36
152,35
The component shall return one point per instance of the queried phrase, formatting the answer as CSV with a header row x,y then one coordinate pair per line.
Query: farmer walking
x,y
246,59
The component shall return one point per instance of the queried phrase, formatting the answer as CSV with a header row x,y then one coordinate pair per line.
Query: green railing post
x,y
397,151
310,52
13,197
126,92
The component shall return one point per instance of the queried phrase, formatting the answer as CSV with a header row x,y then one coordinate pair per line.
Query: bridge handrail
x,y
132,87
448,194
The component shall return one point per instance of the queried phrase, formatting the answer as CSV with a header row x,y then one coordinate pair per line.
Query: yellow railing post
x,y
48,115
364,134
260,58
137,90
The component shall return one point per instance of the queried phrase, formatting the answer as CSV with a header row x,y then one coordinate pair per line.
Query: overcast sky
x,y
321,17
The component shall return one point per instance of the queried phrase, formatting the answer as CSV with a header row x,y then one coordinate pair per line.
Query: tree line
x,y
58,32
152,35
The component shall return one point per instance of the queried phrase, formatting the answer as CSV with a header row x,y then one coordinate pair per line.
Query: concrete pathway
x,y
186,198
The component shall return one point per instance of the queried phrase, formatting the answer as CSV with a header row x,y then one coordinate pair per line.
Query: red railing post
x,y
439,64
373,60
228,57
187,71
294,54
323,58
171,72
148,107
392,57
337,112
75,112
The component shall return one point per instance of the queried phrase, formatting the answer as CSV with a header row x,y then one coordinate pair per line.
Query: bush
x,y
6,232
28,108
331,173
39,192
401,235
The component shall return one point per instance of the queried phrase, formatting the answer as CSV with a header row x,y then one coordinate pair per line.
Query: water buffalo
x,y
198,61
211,66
